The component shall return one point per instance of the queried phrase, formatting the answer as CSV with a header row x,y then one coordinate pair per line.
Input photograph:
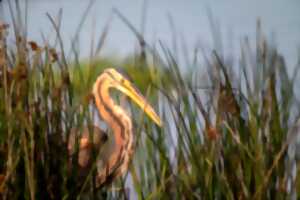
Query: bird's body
x,y
85,146
114,155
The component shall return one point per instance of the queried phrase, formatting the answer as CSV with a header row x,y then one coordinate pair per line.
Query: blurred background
x,y
223,76
191,20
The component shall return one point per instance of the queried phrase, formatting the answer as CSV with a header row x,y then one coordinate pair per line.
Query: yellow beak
x,y
127,88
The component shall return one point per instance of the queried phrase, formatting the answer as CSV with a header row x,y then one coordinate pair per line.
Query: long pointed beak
x,y
127,88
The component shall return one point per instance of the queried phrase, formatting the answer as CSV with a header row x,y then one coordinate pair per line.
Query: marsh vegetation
x,y
229,129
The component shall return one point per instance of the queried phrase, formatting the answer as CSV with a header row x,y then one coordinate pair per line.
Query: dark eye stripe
x,y
124,73
110,74
126,76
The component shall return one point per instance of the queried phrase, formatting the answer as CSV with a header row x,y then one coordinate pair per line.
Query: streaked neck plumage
x,y
121,124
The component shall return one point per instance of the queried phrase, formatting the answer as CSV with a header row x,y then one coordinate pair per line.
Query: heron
x,y
114,157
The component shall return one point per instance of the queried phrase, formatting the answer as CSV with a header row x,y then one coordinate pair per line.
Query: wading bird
x,y
114,157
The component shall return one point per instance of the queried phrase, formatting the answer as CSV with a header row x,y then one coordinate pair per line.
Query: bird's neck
x,y
121,125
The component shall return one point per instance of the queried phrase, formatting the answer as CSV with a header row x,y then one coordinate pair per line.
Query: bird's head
x,y
117,80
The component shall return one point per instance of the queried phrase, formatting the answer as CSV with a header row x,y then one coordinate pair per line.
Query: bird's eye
x,y
124,73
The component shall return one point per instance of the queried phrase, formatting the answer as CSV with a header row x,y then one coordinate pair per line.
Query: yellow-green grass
x,y
228,141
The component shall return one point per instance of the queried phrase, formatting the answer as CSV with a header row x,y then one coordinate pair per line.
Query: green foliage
x,y
228,142
84,74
